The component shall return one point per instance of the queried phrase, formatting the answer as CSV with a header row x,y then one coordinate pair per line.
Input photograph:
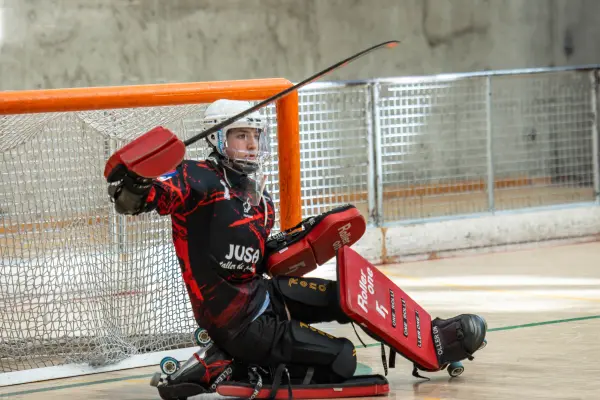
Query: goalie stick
x,y
159,150
201,135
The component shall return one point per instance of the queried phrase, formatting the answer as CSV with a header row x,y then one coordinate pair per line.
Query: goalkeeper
x,y
222,218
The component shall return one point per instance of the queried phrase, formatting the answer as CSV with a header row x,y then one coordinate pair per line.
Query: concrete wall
x,y
440,239
68,43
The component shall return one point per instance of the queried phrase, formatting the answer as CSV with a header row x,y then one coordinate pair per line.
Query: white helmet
x,y
242,153
243,161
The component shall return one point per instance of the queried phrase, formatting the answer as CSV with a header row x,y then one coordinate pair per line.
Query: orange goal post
x,y
83,289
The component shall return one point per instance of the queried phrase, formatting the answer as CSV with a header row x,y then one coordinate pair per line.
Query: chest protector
x,y
314,241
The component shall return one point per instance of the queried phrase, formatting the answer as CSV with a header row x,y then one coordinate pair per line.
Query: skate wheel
x,y
455,369
201,337
169,365
483,344
155,380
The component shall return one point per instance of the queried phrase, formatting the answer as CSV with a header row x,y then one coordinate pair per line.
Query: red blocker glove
x,y
151,155
314,241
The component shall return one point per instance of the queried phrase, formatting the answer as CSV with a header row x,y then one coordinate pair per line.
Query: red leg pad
x,y
374,301
358,386
151,155
316,241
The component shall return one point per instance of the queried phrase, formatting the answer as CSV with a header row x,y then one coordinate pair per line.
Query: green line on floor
x,y
362,369
530,325
533,324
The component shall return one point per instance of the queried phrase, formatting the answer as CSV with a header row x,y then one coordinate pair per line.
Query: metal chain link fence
x,y
415,149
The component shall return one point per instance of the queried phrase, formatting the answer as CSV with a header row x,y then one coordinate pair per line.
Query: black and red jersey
x,y
220,243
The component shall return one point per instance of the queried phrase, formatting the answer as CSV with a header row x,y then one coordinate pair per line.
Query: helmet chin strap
x,y
234,165
227,165
225,162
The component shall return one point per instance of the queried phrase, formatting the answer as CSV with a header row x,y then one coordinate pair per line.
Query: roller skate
x,y
462,335
170,365
201,337
456,368
201,373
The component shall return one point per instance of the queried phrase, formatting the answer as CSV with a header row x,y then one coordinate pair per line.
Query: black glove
x,y
129,194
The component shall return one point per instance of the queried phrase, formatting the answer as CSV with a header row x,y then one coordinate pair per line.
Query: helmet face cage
x,y
240,159
250,163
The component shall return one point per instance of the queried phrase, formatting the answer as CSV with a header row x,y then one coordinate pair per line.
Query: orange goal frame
x,y
97,98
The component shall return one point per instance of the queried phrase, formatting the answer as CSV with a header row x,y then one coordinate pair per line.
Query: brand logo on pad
x,y
366,286
404,318
393,307
303,325
437,341
418,323
345,237
224,375
306,284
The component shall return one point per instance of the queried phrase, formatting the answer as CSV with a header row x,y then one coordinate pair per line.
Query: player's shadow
x,y
434,387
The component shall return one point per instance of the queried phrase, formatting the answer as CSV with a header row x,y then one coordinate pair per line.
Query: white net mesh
x,y
78,283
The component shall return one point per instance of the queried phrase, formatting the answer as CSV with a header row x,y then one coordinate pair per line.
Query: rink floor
x,y
543,310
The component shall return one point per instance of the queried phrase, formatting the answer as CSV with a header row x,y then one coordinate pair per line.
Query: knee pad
x,y
345,363
333,358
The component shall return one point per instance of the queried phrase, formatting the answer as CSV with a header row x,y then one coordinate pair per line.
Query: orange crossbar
x,y
97,98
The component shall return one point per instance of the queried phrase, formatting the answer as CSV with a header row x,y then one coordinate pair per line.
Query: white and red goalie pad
x,y
314,241
371,299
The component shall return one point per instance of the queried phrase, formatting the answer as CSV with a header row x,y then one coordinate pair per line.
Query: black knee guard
x,y
345,363
457,338
333,359
311,299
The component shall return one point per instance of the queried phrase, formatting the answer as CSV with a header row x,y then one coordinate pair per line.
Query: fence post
x,y
371,187
116,222
489,145
375,185
595,138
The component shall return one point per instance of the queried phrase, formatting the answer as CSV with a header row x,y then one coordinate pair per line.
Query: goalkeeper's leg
x,y
310,355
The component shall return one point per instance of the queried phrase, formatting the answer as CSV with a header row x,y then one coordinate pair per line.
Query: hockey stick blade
x,y
389,44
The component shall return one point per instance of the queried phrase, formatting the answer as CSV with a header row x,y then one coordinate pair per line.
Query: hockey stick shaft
x,y
221,125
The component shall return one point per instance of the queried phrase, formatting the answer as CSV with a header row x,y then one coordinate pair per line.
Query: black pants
x,y
273,339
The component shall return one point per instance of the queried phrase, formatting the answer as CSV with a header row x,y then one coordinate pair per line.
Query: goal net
x,y
80,284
